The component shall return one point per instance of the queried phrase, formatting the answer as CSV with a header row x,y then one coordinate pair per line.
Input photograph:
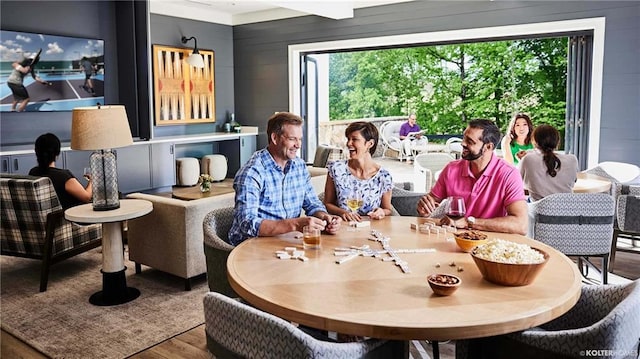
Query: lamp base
x,y
106,207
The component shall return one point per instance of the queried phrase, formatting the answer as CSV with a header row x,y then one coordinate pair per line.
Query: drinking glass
x,y
455,208
354,202
86,173
310,237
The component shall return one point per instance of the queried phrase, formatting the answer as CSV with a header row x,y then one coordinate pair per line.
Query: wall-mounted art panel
x,y
183,94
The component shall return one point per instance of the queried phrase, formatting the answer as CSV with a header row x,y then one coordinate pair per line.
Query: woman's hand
x,y
377,213
351,217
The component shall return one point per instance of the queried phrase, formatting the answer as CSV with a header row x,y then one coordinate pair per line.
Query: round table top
x,y
129,208
590,183
370,297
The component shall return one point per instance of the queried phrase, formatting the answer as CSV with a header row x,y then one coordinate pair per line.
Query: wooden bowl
x,y
443,284
466,245
509,274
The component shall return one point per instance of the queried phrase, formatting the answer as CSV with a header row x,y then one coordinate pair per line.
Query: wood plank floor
x,y
193,344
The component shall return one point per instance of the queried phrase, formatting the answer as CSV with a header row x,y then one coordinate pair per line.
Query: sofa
x,y
170,238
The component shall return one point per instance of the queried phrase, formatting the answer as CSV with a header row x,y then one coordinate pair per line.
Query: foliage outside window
x,y
447,85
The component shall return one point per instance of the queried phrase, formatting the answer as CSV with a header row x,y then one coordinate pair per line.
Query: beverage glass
x,y
310,237
86,173
354,202
455,208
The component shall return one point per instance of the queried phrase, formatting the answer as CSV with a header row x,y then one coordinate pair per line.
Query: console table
x,y
114,283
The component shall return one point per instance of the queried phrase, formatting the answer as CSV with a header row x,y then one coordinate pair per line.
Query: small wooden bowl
x,y
509,274
440,287
466,245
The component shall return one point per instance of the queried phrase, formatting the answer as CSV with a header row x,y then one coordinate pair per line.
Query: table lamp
x,y
100,129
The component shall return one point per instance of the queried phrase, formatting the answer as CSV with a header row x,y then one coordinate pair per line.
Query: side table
x,y
114,282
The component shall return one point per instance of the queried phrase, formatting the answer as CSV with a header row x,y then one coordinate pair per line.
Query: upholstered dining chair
x,y
576,224
237,330
606,319
625,179
627,220
216,226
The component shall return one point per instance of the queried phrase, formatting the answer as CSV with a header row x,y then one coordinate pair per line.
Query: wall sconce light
x,y
195,59
100,129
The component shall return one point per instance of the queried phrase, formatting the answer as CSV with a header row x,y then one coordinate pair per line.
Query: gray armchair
x,y
605,318
216,226
236,330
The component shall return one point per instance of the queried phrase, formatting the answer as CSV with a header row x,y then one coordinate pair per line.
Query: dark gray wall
x,y
260,51
92,19
167,30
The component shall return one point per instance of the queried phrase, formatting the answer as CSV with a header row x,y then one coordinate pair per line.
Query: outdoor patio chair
x,y
216,226
33,224
237,330
627,221
605,320
390,135
576,224
426,165
454,146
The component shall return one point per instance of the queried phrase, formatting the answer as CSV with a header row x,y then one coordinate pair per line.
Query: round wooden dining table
x,y
370,297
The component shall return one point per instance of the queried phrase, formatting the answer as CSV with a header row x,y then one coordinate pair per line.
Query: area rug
x,y
61,322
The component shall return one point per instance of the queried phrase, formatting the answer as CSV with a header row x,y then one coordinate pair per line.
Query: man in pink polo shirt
x,y
492,189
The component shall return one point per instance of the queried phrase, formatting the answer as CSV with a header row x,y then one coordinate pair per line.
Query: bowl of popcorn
x,y
467,240
508,263
443,284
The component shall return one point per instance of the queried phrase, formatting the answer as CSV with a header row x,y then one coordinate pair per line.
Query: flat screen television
x,y
68,73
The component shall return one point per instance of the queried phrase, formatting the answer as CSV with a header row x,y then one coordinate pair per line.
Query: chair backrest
x,y
575,223
216,225
454,145
390,134
605,317
430,163
325,153
628,211
26,202
237,330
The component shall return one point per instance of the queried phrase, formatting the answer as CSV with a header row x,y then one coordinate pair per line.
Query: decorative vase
x,y
205,186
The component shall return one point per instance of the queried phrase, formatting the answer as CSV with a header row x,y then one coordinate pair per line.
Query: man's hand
x,y
427,205
333,224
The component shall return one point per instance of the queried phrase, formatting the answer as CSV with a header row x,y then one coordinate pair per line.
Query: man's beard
x,y
470,156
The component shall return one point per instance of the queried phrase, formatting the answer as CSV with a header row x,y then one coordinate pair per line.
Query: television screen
x,y
42,72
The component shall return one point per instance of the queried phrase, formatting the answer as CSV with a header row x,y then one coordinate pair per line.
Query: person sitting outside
x,y
492,189
545,172
517,142
274,186
411,137
359,176
69,190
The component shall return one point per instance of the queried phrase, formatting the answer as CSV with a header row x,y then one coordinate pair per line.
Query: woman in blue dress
x,y
359,178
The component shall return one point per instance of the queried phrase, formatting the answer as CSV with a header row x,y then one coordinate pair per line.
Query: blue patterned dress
x,y
370,190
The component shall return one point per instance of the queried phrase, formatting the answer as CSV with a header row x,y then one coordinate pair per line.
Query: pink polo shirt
x,y
486,197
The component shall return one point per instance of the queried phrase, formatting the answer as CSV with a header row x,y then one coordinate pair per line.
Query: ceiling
x,y
240,12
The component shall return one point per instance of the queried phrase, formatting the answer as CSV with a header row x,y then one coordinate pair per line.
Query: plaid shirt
x,y
265,191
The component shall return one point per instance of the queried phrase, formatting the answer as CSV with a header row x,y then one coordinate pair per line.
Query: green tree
x,y
446,85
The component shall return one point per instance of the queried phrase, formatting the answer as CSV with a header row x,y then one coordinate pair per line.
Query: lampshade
x,y
195,60
100,127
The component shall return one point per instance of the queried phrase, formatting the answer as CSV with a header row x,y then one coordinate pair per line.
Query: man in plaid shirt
x,y
274,186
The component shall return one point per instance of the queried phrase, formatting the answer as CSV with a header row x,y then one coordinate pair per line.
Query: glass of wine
x,y
455,208
86,173
354,202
